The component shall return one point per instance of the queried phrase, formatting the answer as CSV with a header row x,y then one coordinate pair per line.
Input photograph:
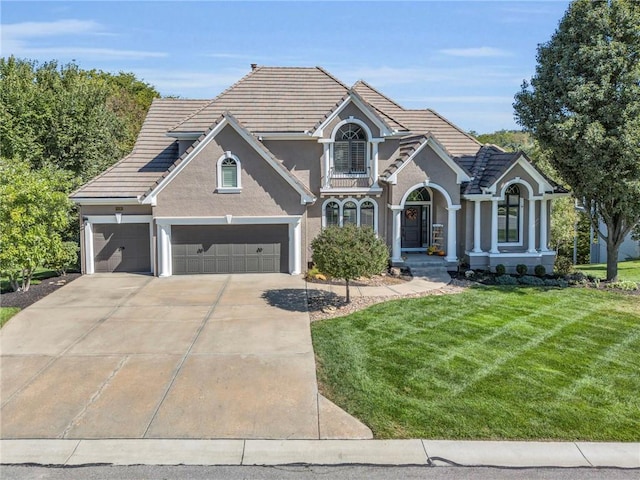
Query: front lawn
x,y
628,270
6,313
489,363
39,275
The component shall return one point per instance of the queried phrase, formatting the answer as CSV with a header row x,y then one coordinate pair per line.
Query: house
x,y
629,249
244,182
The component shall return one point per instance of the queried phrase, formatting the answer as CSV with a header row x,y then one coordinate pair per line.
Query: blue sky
x,y
464,59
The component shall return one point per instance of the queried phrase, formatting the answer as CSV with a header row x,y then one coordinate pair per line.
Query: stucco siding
x,y
518,172
303,158
192,192
350,110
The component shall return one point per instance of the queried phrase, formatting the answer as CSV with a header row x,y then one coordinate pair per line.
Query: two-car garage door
x,y
229,249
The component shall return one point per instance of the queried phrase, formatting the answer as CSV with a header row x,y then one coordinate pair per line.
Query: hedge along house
x,y
244,182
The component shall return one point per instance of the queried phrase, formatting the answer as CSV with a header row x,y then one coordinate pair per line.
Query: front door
x,y
415,227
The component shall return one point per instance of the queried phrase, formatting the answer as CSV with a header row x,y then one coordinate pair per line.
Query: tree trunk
x,y
348,297
612,260
26,279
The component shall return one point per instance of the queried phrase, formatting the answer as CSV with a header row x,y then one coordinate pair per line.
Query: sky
x,y
464,59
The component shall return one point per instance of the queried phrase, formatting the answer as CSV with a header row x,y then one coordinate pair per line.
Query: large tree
x,y
34,213
583,107
349,252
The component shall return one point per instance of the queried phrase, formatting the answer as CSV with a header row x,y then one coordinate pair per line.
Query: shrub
x,y
522,269
623,285
469,274
530,280
501,269
540,271
506,280
563,265
314,274
555,282
64,258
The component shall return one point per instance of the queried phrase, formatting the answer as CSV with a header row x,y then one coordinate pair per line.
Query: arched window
x,y
509,216
350,149
349,213
367,214
332,214
228,172
419,195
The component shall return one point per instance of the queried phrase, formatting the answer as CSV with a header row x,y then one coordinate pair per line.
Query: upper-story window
x,y
509,216
350,149
228,173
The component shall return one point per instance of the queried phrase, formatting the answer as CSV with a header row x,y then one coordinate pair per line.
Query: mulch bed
x,y
36,292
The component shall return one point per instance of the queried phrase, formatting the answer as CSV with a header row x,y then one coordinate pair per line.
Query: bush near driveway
x,y
489,363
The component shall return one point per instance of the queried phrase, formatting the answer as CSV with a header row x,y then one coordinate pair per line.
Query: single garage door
x,y
229,249
121,248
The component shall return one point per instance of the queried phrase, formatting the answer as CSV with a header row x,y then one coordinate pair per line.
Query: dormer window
x,y
228,172
350,149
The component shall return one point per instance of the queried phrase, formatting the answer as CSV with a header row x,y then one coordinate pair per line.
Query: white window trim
x,y
358,203
219,187
367,150
520,241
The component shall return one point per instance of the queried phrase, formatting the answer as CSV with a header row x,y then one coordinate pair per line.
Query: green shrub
x,y
563,265
540,270
555,282
623,285
530,280
501,269
506,280
522,269
64,258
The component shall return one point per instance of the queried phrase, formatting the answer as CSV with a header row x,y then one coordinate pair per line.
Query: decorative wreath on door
x,y
411,213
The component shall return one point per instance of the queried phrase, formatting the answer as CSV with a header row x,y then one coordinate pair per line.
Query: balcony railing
x,y
346,180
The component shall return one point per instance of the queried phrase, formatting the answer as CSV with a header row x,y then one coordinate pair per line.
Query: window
x,y
419,195
367,214
350,149
332,214
343,212
228,174
509,216
349,213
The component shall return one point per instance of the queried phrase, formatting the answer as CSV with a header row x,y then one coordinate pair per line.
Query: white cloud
x,y
477,52
26,40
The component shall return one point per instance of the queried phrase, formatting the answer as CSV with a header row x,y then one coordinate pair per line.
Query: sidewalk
x,y
320,452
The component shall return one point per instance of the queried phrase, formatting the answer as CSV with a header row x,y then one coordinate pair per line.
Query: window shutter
x,y
229,176
341,157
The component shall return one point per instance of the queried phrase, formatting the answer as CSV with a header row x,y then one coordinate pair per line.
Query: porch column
x,y
452,229
544,247
476,226
295,249
89,265
164,250
532,226
396,245
494,226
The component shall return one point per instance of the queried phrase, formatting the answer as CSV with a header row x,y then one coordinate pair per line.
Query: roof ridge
x,y
452,125
379,93
217,97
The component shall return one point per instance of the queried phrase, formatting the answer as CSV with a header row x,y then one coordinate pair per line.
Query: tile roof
x,y
273,99
152,153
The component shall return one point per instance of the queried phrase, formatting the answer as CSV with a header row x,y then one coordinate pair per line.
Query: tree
x,y
82,121
349,252
583,108
34,212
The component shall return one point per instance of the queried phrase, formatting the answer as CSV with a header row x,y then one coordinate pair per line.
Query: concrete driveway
x,y
132,356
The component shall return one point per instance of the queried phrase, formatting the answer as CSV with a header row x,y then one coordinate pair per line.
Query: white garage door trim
x,y
164,236
90,220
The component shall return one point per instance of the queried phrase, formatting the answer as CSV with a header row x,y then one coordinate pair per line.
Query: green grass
x,y
489,363
6,313
39,275
628,270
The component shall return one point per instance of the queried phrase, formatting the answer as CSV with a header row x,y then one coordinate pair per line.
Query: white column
x,y
295,252
476,226
164,250
494,226
452,229
396,246
374,160
327,166
89,265
532,226
544,247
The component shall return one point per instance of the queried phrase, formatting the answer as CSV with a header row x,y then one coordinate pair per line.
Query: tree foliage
x,y
78,120
34,213
349,252
583,107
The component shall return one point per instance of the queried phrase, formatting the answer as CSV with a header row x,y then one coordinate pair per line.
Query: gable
x,y
523,169
352,106
193,190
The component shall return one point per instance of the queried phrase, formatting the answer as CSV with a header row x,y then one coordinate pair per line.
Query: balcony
x,y
349,183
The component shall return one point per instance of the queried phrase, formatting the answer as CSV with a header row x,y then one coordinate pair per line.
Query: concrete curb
x,y
320,452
